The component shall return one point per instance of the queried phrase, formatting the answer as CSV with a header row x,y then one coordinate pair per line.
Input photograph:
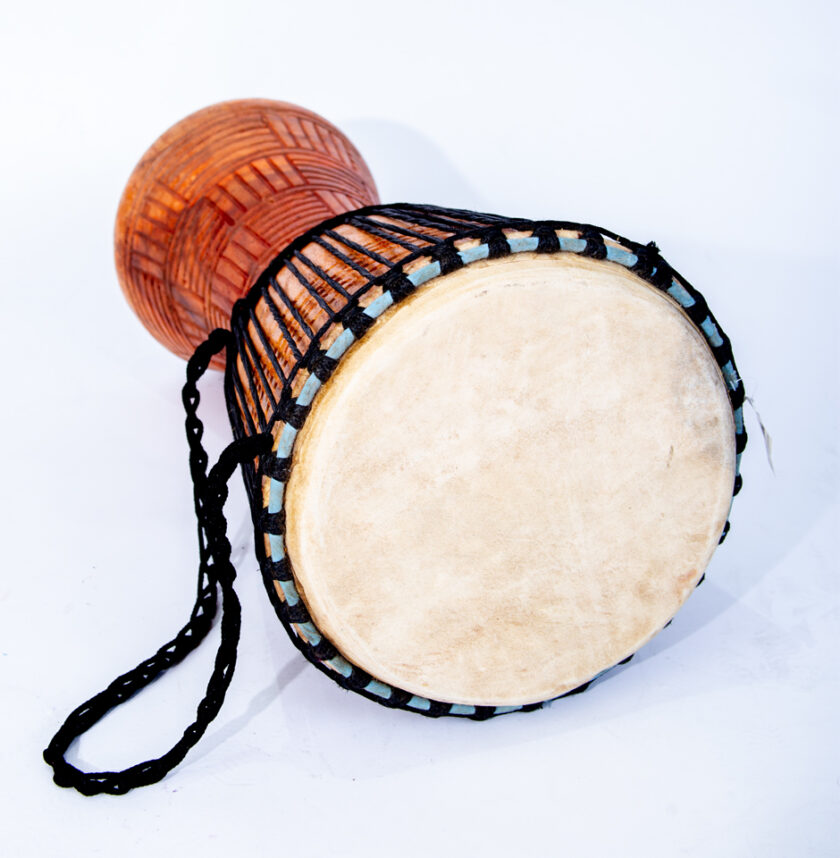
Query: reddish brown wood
x,y
214,200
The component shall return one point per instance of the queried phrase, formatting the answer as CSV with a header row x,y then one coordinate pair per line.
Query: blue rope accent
x,y
594,246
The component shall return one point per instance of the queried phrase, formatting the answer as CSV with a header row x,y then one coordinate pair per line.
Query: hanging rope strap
x,y
215,572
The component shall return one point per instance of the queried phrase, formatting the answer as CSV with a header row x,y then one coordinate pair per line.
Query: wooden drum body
x,y
215,198
504,451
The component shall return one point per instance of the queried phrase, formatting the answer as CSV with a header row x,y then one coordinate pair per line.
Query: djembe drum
x,y
488,458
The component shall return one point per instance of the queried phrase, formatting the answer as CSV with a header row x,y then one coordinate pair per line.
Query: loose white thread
x,y
768,441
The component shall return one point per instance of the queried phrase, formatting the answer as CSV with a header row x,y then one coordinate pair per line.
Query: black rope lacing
x,y
215,571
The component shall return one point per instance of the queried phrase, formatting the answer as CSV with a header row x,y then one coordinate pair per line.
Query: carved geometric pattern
x,y
215,199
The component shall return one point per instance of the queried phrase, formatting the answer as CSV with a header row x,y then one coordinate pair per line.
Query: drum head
x,y
512,481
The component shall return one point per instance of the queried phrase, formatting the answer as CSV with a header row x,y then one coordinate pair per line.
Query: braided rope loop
x,y
215,572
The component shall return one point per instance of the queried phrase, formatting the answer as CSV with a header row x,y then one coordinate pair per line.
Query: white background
x,y
710,127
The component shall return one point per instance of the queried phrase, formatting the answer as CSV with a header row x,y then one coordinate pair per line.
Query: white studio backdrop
x,y
711,128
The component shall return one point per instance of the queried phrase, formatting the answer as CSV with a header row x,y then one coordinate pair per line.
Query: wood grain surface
x,y
215,199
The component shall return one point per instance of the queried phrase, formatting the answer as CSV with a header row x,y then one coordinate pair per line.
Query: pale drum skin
x,y
215,199
513,482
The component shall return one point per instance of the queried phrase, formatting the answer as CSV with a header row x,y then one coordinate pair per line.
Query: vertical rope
x,y
215,572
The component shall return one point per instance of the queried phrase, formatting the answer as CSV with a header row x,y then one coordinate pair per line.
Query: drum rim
x,y
352,322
